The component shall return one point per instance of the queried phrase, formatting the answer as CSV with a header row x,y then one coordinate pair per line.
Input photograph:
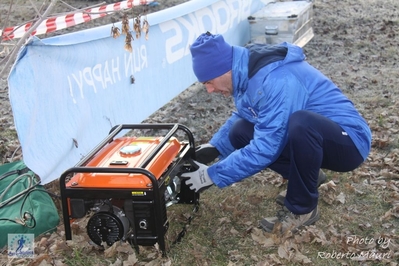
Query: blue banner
x,y
68,91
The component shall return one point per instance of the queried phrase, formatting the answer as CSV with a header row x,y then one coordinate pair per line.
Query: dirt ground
x,y
355,44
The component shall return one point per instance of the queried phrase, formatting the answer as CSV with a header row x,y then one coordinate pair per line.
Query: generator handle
x,y
158,148
116,129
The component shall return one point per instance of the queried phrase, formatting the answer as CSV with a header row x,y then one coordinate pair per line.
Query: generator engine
x,y
108,224
126,183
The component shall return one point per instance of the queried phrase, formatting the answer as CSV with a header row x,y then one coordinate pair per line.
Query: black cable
x,y
183,232
19,172
25,216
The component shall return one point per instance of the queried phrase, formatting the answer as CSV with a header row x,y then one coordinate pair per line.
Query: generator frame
x,y
153,194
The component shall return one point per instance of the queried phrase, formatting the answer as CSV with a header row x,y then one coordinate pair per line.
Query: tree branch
x,y
11,57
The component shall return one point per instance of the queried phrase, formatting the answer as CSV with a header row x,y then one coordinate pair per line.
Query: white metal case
x,y
281,22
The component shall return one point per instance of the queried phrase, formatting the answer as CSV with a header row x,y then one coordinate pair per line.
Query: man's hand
x,y
206,153
198,180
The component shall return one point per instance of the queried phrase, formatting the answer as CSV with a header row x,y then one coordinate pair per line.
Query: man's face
x,y
222,84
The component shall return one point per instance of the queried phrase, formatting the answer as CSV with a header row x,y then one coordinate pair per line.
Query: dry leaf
x,y
42,260
168,262
283,252
233,231
327,192
111,251
261,237
273,260
118,262
340,198
303,237
224,220
125,247
299,257
131,260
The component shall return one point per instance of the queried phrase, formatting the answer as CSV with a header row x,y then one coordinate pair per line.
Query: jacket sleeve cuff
x,y
213,175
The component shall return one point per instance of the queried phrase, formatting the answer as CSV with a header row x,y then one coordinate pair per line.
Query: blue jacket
x,y
273,92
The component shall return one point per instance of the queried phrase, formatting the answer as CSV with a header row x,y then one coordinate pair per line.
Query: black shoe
x,y
281,197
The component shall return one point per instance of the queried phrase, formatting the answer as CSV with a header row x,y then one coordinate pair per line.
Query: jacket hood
x,y
247,61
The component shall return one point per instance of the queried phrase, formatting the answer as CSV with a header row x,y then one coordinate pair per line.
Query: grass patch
x,y
221,232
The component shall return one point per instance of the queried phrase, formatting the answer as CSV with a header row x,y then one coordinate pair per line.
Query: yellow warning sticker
x,y
138,193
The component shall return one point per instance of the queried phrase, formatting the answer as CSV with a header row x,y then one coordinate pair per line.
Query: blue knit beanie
x,y
211,55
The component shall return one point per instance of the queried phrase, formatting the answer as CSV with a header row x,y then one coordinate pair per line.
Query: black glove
x,y
206,153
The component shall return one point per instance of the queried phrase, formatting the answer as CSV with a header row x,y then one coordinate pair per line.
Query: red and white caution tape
x,y
58,23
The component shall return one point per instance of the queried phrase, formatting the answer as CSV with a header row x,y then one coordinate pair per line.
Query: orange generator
x,y
126,183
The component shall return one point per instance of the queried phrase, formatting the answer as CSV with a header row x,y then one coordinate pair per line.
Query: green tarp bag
x,y
25,206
